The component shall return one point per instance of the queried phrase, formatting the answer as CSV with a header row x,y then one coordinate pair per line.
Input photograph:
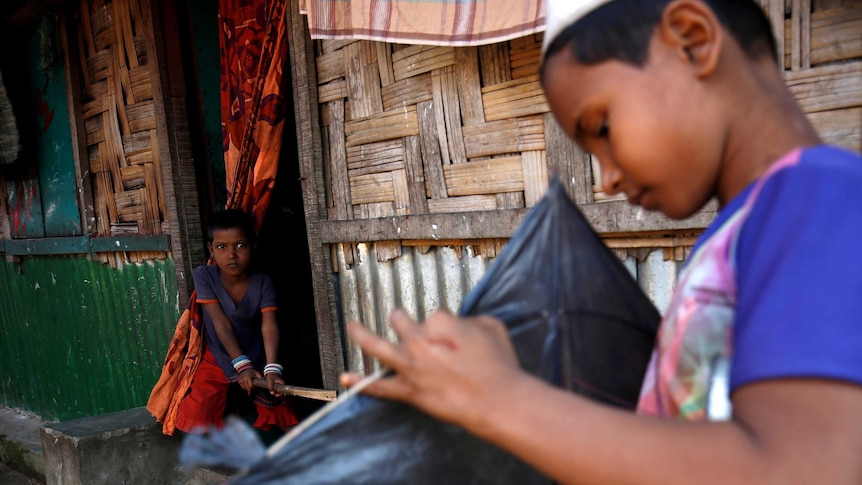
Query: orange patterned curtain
x,y
253,50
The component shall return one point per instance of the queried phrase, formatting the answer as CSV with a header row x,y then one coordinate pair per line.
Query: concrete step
x,y
122,441
20,445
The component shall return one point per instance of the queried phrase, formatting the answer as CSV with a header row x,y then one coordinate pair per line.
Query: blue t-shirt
x,y
246,317
799,272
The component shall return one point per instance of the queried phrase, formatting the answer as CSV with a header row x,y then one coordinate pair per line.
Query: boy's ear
x,y
692,29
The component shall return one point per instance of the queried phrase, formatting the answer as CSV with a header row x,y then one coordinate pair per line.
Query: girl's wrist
x,y
242,363
273,368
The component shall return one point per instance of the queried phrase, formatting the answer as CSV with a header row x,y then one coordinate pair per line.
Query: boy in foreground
x,y
682,101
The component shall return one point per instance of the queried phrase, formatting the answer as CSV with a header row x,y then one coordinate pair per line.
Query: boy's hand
x,y
271,380
246,379
452,368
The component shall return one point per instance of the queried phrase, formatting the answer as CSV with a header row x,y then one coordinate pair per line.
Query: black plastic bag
x,y
577,320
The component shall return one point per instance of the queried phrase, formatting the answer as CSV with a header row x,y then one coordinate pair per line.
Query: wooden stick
x,y
308,392
317,416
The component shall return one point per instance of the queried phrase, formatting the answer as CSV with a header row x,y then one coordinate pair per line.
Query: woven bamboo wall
x,y
822,52
119,116
424,129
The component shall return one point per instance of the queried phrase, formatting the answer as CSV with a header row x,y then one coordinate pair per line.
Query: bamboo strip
x,y
116,85
446,95
384,63
842,127
142,116
494,64
375,187
505,136
329,45
827,87
160,188
125,18
104,39
362,75
375,210
535,170
99,65
485,177
132,176
510,200
330,66
140,84
407,91
800,38
462,204
415,60
414,175
401,192
375,157
648,242
833,35
338,162
432,158
331,91
105,189
385,126
468,85
152,198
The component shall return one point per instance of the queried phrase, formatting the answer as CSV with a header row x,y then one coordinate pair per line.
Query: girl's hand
x,y
246,379
271,380
450,367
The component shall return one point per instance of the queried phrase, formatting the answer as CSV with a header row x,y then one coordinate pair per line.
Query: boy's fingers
x,y
405,326
385,388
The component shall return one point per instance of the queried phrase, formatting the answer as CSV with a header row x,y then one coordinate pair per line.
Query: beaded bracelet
x,y
241,363
273,369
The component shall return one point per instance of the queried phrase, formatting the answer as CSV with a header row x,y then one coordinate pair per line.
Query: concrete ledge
x,y
125,447
20,447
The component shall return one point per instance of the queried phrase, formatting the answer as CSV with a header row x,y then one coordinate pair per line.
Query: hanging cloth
x,y
460,23
253,51
181,362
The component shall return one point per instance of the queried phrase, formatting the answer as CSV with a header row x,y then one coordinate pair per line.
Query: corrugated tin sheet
x,y
78,338
441,278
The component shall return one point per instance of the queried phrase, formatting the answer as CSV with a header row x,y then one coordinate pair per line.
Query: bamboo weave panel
x,y
120,122
412,129
822,53
476,104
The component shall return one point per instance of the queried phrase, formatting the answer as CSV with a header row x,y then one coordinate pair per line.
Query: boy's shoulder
x,y
831,157
205,271
824,168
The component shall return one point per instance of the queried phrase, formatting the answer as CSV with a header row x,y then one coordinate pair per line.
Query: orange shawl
x,y
181,362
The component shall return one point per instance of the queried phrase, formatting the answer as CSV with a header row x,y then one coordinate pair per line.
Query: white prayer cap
x,y
563,13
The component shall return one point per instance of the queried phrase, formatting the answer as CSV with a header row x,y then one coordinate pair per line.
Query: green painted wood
x,y
24,200
130,243
50,245
84,245
57,182
78,338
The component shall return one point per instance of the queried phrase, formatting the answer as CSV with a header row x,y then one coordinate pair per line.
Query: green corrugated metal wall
x,y
78,338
